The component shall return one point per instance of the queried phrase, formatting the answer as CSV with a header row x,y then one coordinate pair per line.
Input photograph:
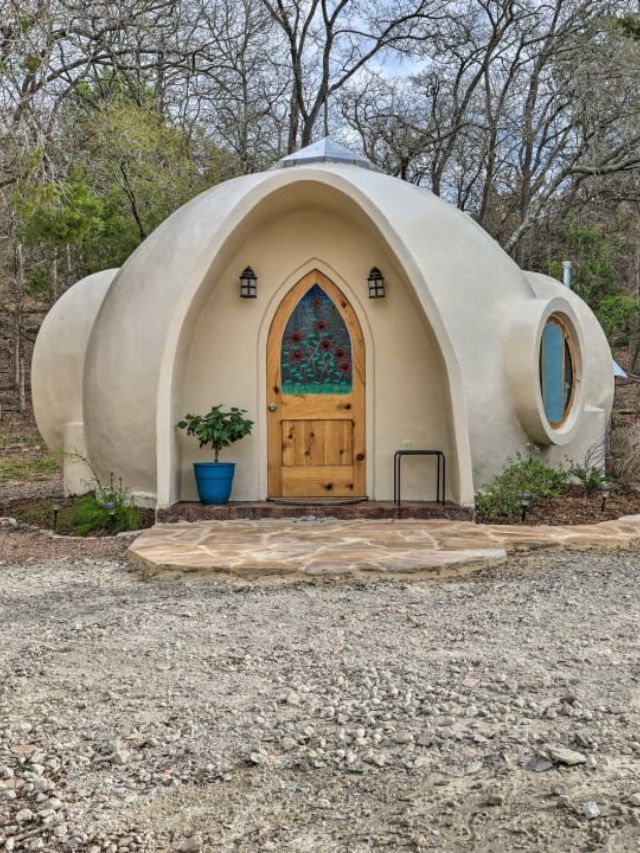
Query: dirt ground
x,y
499,712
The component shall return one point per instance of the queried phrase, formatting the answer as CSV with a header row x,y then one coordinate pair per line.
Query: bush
x,y
526,474
89,514
590,473
590,476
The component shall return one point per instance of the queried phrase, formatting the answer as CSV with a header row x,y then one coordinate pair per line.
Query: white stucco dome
x,y
114,350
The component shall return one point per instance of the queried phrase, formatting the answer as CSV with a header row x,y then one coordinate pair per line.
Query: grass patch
x,y
20,469
83,516
9,441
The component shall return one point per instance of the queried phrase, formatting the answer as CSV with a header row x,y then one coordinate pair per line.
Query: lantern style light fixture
x,y
110,507
525,500
376,284
56,503
605,488
248,284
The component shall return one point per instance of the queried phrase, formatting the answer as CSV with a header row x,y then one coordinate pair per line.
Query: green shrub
x,y
89,514
590,476
218,428
526,474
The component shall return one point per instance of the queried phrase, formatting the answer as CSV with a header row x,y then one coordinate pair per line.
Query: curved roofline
x,y
342,180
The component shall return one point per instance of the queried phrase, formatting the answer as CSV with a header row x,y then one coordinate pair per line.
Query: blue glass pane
x,y
315,357
553,391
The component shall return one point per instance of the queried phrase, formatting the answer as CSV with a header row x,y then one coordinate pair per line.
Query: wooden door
x,y
316,394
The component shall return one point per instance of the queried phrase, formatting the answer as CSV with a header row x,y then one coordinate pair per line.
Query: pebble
x,y
590,810
24,815
192,845
570,757
634,799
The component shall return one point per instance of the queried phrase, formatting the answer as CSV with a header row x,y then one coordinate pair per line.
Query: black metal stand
x,y
397,459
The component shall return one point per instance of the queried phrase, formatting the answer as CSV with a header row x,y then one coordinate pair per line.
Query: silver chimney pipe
x,y
567,266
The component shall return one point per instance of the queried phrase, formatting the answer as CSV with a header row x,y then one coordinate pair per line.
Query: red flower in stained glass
x,y
321,325
316,302
340,353
297,337
345,367
296,355
325,343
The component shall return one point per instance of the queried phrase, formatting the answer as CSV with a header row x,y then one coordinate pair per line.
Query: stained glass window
x,y
315,357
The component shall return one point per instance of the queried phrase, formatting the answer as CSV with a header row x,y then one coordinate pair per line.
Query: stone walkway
x,y
298,549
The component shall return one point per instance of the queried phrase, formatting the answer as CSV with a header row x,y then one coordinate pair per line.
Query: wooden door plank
x,y
318,481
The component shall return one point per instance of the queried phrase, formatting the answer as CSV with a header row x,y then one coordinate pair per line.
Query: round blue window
x,y
556,371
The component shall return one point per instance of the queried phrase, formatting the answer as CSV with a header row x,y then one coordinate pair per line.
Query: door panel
x,y
315,394
317,442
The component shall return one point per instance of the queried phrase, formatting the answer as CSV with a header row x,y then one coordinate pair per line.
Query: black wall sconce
x,y
248,284
376,284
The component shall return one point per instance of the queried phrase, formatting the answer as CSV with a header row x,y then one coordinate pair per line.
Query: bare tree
x,y
328,44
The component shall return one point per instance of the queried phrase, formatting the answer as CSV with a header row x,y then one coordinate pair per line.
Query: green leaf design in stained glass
x,y
315,357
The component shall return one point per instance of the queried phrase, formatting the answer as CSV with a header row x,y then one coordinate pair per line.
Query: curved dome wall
x,y
467,290
59,355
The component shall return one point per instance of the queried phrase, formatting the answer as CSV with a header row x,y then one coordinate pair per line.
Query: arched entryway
x,y
316,394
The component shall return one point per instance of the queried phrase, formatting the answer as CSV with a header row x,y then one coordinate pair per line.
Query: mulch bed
x,y
572,507
38,512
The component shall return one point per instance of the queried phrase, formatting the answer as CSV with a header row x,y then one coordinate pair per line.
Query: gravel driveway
x,y
496,713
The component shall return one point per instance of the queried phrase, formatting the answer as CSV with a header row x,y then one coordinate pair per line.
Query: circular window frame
x,y
522,361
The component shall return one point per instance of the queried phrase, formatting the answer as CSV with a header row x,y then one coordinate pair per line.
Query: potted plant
x,y
219,429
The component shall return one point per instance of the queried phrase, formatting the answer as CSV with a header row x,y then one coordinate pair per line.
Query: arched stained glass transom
x,y
315,356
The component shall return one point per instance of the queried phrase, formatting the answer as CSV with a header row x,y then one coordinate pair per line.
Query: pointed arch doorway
x,y
316,394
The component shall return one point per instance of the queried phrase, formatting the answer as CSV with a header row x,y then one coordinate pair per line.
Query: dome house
x,y
378,318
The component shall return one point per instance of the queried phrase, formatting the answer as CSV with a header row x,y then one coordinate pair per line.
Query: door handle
x,y
273,407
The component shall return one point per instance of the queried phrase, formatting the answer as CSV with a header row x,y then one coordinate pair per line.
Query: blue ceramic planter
x,y
214,481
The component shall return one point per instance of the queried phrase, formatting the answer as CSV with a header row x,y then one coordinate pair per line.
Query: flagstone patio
x,y
300,549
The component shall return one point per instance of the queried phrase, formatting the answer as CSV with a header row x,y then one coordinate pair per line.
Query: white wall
x,y
406,398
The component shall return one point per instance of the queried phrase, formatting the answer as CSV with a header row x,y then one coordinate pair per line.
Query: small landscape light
x,y
376,284
605,489
248,284
525,500
56,503
111,509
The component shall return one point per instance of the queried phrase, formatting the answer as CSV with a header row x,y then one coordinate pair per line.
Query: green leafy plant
x,y
616,313
525,474
218,428
590,477
89,514
589,473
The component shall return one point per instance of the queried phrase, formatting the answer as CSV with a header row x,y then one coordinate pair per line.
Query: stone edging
x,y
7,521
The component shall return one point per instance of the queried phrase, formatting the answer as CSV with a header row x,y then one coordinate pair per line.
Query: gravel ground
x,y
495,713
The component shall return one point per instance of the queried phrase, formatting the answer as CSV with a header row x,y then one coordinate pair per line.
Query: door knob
x,y
273,407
